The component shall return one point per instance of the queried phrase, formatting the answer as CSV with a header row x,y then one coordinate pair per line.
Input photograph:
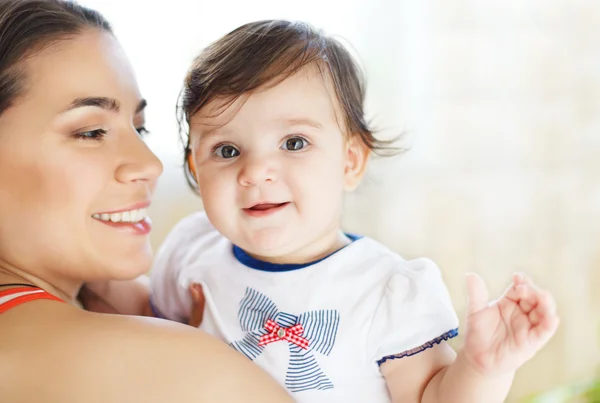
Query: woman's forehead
x,y
90,65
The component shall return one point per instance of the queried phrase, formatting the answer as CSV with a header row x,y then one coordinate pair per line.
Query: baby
x,y
277,134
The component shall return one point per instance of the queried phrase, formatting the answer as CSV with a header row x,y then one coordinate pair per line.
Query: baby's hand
x,y
198,302
504,334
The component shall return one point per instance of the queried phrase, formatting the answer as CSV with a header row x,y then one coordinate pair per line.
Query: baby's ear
x,y
192,168
191,164
357,157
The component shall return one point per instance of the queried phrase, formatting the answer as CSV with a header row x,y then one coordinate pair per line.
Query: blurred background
x,y
500,103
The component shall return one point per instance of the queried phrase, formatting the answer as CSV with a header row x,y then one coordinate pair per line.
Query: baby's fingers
x,y
525,296
546,307
544,319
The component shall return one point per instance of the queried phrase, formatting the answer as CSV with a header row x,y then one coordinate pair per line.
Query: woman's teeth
x,y
124,216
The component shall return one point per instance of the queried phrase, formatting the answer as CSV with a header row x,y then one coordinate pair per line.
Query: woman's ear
x,y
357,157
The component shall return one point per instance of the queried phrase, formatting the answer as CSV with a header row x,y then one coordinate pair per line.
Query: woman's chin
x,y
130,268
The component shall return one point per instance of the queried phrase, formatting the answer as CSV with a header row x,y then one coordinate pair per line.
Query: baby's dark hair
x,y
266,53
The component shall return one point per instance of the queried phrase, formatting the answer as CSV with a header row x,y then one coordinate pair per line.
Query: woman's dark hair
x,y
28,26
266,53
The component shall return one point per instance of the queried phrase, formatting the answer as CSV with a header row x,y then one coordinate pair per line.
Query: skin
x,y
57,173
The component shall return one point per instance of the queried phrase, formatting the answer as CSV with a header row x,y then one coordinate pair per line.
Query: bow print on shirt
x,y
309,332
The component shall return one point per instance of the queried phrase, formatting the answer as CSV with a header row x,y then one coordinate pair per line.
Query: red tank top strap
x,y
22,295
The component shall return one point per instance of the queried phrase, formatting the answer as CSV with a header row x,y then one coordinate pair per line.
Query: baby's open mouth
x,y
264,209
266,206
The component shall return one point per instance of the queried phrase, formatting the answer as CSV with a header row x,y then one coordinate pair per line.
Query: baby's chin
x,y
290,253
269,253
267,240
284,245
272,249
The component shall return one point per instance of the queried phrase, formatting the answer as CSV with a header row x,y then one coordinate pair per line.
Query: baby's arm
x,y
437,375
501,336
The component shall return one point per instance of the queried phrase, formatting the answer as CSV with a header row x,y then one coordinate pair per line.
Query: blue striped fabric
x,y
320,328
255,310
304,372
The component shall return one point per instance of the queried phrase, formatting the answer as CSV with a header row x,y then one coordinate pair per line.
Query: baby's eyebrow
x,y
303,122
210,131
203,133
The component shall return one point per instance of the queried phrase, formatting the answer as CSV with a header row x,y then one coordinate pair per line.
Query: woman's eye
x,y
91,134
142,131
295,144
226,151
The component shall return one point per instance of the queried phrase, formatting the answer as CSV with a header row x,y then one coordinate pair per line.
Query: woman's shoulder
x,y
99,357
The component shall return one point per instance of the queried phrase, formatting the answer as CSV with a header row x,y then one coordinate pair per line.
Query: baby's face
x,y
272,168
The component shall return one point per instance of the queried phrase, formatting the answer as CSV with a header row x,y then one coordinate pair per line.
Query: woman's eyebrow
x,y
109,104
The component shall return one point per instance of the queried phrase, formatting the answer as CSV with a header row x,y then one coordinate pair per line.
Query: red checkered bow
x,y
291,334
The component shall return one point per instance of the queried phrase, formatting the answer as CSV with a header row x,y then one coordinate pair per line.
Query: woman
x,y
75,181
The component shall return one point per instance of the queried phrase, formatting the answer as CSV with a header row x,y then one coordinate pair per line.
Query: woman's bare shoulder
x,y
109,358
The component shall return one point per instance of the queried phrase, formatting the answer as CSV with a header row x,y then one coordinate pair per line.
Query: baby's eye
x,y
295,144
226,151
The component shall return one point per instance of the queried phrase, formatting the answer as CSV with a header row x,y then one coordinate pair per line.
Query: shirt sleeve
x,y
169,297
415,313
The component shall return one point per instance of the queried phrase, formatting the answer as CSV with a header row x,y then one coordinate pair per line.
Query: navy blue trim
x,y
446,336
155,310
257,264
